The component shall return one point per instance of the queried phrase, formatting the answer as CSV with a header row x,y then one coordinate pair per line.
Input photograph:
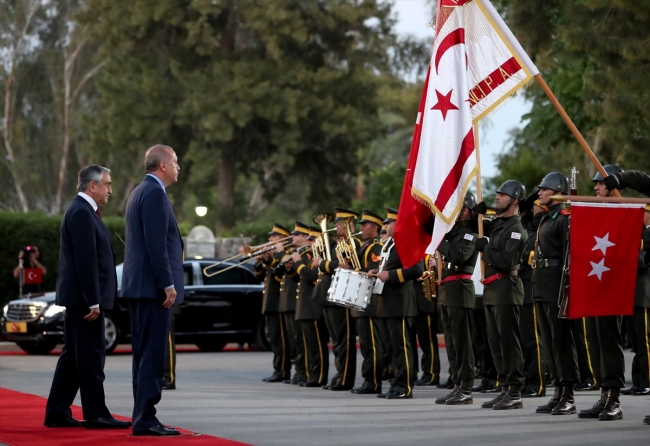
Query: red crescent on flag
x,y
455,37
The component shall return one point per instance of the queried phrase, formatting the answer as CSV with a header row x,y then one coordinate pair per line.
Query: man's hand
x,y
612,182
480,208
344,266
267,255
481,243
295,257
316,262
383,276
94,314
170,294
373,272
279,247
288,265
433,262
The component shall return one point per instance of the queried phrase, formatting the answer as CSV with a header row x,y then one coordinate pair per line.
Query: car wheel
x,y
211,346
262,341
37,348
111,333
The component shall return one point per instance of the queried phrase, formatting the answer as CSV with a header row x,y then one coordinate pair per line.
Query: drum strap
x,y
385,253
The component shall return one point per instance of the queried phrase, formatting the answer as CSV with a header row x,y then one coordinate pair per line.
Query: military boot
x,y
463,396
567,405
512,400
555,399
490,404
598,407
443,400
612,409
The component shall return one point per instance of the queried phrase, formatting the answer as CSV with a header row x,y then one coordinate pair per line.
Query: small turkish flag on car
x,y
33,275
605,241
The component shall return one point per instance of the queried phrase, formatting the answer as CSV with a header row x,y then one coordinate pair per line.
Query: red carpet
x,y
22,425
127,351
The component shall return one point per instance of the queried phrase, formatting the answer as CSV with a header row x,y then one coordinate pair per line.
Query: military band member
x,y
531,337
370,344
340,324
275,325
503,293
456,298
558,334
427,328
396,305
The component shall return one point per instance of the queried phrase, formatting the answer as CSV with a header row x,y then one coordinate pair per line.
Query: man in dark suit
x,y
86,285
152,281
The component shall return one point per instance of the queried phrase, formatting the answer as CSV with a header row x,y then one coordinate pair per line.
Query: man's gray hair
x,y
155,155
94,173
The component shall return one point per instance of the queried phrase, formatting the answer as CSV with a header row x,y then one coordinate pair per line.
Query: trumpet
x,y
249,253
323,220
287,257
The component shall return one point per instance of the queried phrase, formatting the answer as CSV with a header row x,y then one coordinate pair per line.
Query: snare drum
x,y
352,289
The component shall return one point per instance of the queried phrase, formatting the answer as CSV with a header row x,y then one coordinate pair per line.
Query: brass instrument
x,y
323,220
428,280
346,249
249,253
287,257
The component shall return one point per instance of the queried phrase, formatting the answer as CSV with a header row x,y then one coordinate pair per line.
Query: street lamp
x,y
201,211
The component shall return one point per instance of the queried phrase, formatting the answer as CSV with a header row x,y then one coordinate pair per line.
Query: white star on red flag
x,y
603,243
597,269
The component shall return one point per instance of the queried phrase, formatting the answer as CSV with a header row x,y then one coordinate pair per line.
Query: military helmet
x,y
469,201
514,189
555,181
610,169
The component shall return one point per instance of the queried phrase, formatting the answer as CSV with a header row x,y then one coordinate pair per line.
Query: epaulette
x,y
565,212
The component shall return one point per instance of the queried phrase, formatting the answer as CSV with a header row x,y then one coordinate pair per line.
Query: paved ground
x,y
222,394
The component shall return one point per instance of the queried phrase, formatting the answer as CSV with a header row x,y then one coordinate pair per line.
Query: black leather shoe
x,y
62,422
485,388
383,395
512,400
567,405
629,390
555,399
426,382
399,396
159,430
326,387
106,423
533,393
646,419
641,391
612,409
446,385
365,391
490,404
274,379
585,386
596,409
169,386
311,384
461,397
443,399
339,388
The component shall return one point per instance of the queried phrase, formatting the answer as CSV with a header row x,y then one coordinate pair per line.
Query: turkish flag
x,y
33,275
605,240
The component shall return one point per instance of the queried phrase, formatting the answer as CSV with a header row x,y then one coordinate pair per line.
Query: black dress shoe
x,y
533,393
585,386
365,391
62,422
426,382
646,419
383,395
169,386
159,430
460,398
443,399
446,384
326,387
641,391
490,404
311,384
399,396
628,391
273,379
512,400
106,423
339,388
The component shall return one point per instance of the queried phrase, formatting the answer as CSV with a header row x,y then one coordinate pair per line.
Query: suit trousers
x,y
170,356
612,359
385,344
588,351
532,348
402,356
372,352
79,368
343,334
502,323
316,355
558,338
640,363
150,326
278,338
428,339
458,340
294,332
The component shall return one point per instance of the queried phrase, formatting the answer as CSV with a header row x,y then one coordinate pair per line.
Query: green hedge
x,y
18,229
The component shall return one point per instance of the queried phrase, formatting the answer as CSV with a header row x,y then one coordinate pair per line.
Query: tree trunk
x,y
226,177
7,136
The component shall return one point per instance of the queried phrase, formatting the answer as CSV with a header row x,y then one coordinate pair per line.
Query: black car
x,y
217,310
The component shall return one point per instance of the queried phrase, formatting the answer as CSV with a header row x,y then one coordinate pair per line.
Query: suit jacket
x,y
264,271
86,262
398,296
306,276
153,257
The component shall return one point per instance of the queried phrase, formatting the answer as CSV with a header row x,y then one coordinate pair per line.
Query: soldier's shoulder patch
x,y
469,237
375,257
515,235
565,212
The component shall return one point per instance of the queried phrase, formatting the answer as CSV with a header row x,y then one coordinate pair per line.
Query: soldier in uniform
x,y
309,314
456,297
531,338
370,344
503,293
427,327
396,305
275,325
610,346
558,334
340,325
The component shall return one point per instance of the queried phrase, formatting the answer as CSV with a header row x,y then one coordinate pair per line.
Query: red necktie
x,y
99,214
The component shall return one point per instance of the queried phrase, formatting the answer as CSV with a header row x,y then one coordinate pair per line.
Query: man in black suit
x,y
152,281
86,285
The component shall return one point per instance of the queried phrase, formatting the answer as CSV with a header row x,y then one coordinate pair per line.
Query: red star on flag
x,y
444,103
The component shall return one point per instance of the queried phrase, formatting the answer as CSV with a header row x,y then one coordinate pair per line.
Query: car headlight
x,y
53,310
4,310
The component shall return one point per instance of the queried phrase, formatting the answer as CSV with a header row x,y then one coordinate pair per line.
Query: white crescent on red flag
x,y
605,242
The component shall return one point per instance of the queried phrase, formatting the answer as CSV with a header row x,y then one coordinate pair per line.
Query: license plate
x,y
16,327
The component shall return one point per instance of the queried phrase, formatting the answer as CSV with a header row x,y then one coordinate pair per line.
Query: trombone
x,y
249,253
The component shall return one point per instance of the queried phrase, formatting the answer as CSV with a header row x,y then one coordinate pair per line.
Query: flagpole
x,y
595,199
479,191
576,133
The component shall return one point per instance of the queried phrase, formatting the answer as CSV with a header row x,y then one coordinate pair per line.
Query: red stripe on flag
x,y
493,80
453,38
451,182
